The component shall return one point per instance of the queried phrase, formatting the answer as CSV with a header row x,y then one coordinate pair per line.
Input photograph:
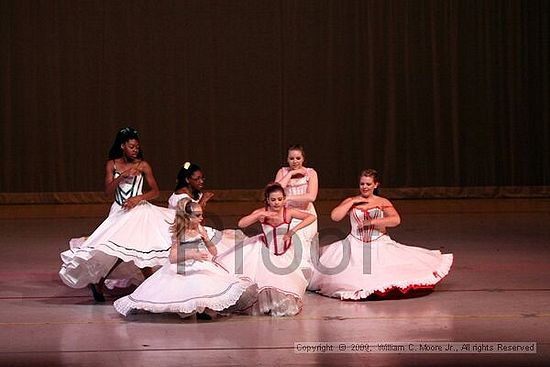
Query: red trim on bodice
x,y
286,244
364,234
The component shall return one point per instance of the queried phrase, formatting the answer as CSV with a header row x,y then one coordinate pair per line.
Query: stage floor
x,y
498,290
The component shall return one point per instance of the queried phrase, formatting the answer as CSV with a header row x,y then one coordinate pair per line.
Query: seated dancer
x,y
268,259
190,184
135,230
191,283
368,262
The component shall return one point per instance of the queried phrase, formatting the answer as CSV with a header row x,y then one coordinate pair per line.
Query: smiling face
x,y
130,149
367,184
196,180
276,200
295,159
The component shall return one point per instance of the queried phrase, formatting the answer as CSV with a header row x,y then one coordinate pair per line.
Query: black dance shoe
x,y
98,296
203,316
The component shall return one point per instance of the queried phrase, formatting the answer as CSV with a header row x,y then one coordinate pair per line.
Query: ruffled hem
x,y
78,272
277,303
161,256
140,235
82,267
238,296
382,290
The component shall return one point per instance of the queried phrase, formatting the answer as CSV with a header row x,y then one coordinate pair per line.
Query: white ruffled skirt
x,y
307,242
281,284
353,270
199,286
140,235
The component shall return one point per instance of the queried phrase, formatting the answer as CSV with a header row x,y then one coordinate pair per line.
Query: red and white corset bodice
x,y
368,233
273,236
297,186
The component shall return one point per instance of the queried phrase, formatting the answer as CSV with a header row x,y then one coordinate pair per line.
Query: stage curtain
x,y
439,96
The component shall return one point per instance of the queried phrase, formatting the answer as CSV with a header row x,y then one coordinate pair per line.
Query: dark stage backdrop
x,y
431,93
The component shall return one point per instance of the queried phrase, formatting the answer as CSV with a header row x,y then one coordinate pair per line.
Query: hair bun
x,y
128,130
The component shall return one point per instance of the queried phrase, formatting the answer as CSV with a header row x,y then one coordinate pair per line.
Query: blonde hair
x,y
184,211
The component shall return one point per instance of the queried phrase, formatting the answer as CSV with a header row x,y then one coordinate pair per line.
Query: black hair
x,y
122,136
185,172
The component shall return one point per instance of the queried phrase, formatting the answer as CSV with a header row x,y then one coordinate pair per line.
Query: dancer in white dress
x,y
190,184
301,186
135,230
191,283
268,259
368,261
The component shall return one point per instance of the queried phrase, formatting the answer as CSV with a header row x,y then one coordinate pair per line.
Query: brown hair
x,y
369,172
298,147
271,188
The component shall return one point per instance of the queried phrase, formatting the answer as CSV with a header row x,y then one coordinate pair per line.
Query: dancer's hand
x,y
205,197
197,255
288,235
131,202
298,172
203,233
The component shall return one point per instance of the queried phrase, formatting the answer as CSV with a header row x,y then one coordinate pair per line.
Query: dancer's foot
x,y
207,314
147,272
203,316
98,296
